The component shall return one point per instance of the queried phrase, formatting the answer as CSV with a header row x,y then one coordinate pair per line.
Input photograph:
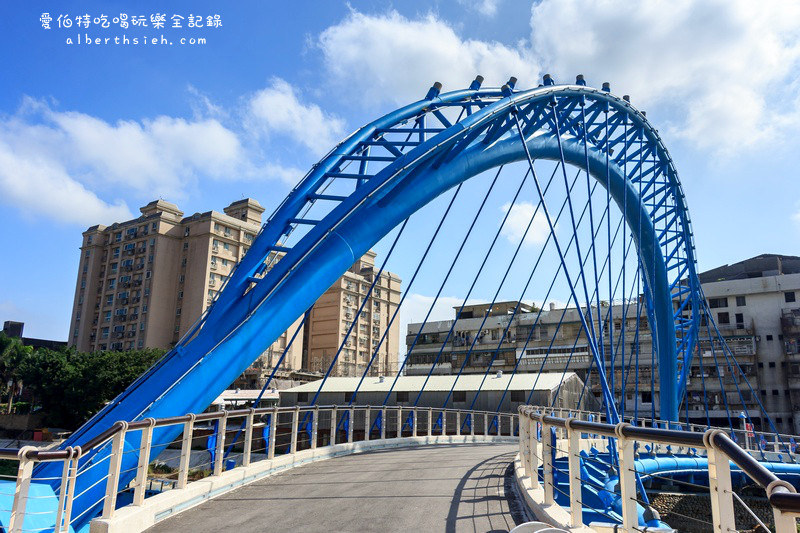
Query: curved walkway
x,y
429,488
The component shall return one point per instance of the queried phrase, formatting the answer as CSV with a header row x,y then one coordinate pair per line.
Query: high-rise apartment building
x,y
330,319
143,283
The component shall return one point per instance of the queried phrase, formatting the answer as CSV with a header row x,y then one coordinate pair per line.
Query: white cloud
x,y
723,67
487,8
39,187
277,109
75,168
390,58
518,220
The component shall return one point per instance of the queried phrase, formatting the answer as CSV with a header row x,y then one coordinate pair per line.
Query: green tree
x,y
72,386
12,355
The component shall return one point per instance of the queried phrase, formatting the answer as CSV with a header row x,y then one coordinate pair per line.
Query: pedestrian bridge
x,y
399,468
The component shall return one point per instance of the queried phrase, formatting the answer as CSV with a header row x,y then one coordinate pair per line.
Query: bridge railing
x,y
539,446
237,438
760,442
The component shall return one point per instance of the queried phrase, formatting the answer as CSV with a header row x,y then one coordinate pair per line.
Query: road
x,y
430,488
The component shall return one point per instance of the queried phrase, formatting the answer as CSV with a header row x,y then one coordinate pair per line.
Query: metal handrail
x,y
781,495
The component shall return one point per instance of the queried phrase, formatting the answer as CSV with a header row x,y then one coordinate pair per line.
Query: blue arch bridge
x,y
576,170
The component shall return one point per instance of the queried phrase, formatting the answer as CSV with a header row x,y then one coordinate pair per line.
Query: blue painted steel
x,y
251,312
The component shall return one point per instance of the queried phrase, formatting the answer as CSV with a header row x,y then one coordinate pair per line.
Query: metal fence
x,y
544,437
241,437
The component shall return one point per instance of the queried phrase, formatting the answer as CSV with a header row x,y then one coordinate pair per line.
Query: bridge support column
x,y
334,424
248,438
186,452
314,428
547,463
367,423
220,451
383,423
144,460
273,424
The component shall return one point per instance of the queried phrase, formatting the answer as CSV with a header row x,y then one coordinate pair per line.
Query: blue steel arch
x,y
404,160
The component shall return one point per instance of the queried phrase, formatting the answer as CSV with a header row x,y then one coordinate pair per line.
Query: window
x,y
775,392
107,316
402,396
459,396
141,326
110,299
647,397
741,301
348,396
739,320
178,312
113,268
88,241
517,396
723,318
715,303
788,297
186,232
186,246
760,365
772,364
147,274
117,237
302,397
769,337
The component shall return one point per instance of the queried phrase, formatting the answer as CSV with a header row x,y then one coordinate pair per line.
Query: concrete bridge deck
x,y
429,488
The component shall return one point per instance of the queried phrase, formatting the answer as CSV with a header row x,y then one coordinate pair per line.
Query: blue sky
x,y
89,133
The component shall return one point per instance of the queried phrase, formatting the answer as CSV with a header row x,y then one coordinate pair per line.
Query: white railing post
x,y
314,427
458,422
444,422
430,421
399,422
627,480
186,452
72,474
334,424
273,426
547,463
24,472
486,424
114,463
575,483
248,437
219,455
523,451
534,451
295,429
63,490
414,422
367,421
384,422
719,485
144,460
350,424
471,416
